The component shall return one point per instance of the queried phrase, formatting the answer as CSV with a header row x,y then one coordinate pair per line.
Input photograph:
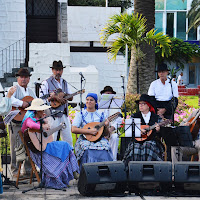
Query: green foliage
x,y
181,52
102,3
194,15
131,31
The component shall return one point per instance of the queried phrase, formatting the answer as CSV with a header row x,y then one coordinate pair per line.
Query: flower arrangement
x,y
72,114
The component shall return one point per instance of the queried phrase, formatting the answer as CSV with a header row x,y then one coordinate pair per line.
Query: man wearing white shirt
x,y
23,78
180,79
114,138
49,86
163,89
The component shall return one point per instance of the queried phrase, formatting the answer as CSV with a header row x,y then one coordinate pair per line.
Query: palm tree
x,y
194,15
146,67
130,30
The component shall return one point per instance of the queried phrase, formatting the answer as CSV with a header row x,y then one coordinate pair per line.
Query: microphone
x,y
55,112
37,83
122,76
80,73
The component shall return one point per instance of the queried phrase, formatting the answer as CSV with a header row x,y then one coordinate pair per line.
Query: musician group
x,y
61,161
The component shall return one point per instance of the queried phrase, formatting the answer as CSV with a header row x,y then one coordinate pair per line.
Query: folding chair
x,y
32,163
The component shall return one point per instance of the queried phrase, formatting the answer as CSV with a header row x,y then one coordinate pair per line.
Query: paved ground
x,y
10,192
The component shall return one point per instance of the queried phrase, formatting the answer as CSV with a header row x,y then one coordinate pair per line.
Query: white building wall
x,y
12,29
85,23
12,21
109,73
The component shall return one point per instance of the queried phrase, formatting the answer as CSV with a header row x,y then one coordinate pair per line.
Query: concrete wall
x,y
12,29
85,23
109,72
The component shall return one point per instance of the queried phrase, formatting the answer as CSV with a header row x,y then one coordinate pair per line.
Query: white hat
x,y
37,104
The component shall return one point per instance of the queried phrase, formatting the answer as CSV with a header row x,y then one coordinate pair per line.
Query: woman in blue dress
x,y
86,151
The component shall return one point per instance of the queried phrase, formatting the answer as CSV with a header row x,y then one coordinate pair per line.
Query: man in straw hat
x,y
53,83
23,78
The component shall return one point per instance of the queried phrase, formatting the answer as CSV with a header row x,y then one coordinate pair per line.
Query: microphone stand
x,y
82,79
123,87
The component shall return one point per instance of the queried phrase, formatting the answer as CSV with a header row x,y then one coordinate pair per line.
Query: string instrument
x,y
19,117
149,129
99,126
55,103
32,138
195,124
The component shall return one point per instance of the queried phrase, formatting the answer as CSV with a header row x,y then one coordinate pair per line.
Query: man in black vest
x,y
50,86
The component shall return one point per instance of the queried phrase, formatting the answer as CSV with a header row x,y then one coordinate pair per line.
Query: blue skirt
x,y
92,155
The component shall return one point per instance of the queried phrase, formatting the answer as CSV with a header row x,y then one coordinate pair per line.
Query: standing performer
x,y
113,138
59,162
163,89
5,107
53,83
23,78
151,149
85,150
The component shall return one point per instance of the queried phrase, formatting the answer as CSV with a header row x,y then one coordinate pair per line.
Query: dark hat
x,y
145,97
57,65
162,67
23,72
107,89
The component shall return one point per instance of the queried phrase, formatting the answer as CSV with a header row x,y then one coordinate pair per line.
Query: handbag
x,y
20,153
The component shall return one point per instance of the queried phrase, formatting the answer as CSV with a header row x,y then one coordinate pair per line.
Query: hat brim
x,y
16,75
103,91
167,70
39,108
58,67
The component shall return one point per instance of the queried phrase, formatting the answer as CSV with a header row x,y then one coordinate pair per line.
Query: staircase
x,y
12,59
183,91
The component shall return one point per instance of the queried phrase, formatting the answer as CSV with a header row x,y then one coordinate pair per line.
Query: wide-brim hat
x,y
57,65
107,89
162,67
38,104
146,98
23,72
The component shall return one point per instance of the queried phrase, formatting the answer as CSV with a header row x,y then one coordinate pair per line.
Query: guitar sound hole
x,y
88,127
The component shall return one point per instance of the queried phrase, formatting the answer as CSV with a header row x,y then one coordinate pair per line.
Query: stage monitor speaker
x,y
102,178
149,175
187,176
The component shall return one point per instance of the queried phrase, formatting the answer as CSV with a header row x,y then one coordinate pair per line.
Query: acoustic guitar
x,y
55,104
147,135
19,117
33,138
99,126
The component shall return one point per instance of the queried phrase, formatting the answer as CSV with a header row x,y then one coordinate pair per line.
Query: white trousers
x,y
64,133
114,141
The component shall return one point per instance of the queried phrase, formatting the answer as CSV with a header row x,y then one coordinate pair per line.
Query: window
x,y
176,4
159,22
181,25
159,4
170,24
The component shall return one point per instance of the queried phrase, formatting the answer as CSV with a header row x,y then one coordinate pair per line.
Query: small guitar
x,y
99,126
147,134
19,117
33,138
55,104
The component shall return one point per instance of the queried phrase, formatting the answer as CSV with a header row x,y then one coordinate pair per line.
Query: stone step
x,y
182,90
182,93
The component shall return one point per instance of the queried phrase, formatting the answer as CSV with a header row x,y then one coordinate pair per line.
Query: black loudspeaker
x,y
124,144
187,176
149,175
102,178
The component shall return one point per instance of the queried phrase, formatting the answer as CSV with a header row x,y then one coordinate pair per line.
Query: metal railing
x,y
12,56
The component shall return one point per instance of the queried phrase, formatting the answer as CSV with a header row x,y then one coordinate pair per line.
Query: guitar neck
x,y
160,124
197,115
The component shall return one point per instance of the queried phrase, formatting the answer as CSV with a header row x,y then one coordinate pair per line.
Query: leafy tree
x,y
194,14
130,29
181,52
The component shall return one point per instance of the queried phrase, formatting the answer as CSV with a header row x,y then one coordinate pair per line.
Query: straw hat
x,y
38,104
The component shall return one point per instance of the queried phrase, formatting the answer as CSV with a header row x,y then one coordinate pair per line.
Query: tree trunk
x,y
147,65
132,78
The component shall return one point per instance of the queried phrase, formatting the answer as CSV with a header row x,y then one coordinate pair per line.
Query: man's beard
x,y
57,76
